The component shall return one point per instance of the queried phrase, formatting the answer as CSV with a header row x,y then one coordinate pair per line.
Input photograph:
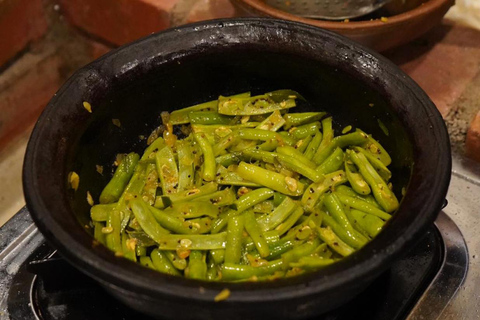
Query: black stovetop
x,y
46,287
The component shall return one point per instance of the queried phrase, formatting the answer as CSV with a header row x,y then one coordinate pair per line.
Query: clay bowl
x,y
400,27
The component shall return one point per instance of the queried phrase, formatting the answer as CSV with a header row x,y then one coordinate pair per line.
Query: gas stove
x,y
429,282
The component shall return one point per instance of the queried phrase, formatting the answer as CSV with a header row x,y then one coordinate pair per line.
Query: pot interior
x,y
138,101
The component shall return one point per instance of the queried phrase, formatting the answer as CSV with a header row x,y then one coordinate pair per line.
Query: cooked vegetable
x,y
251,191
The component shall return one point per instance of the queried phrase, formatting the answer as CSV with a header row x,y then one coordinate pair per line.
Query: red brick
x,y
210,9
443,62
97,49
472,143
25,89
21,21
119,21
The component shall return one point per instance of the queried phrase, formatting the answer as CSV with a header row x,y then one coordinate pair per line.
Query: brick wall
x,y
42,42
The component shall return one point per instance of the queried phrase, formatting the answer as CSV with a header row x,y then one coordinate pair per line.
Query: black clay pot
x,y
196,63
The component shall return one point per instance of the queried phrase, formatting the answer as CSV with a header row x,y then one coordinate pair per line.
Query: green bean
x,y
220,130
333,163
327,136
212,271
305,130
251,198
270,179
175,260
141,237
218,256
264,207
192,241
228,159
178,226
162,264
252,154
128,250
261,104
230,177
114,189
147,220
356,179
298,166
290,221
152,149
167,170
313,146
355,224
197,266
335,208
271,221
297,252
257,134
277,249
312,263
185,166
208,117
349,139
292,152
187,195
224,144
192,209
256,233
372,224
233,247
241,145
376,149
344,233
302,145
363,206
314,191
382,170
343,189
273,122
220,198
113,237
322,251
222,220
271,237
384,196
297,119
99,212
268,145
209,164
181,116
140,250
147,262
97,232
232,271
278,198
286,138
334,242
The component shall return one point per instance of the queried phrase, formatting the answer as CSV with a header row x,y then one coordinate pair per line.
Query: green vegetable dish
x,y
247,191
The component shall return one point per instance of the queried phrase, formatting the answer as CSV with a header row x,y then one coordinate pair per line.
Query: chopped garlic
x,y
223,295
90,199
74,180
87,106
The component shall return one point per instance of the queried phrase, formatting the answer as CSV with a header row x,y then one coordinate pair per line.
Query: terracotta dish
x,y
378,34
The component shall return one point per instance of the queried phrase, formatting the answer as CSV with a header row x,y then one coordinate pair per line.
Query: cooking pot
x,y
195,63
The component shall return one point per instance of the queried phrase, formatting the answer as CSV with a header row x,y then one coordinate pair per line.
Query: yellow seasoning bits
x,y
99,168
90,199
116,122
347,129
223,295
87,106
384,19
74,180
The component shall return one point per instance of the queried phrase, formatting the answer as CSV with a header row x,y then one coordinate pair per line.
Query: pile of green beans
x,y
252,192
